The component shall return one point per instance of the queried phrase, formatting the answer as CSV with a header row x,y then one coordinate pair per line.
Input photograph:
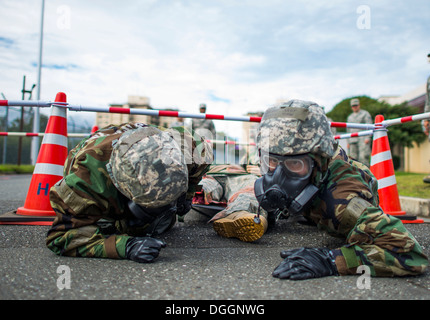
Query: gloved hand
x,y
143,249
306,263
183,205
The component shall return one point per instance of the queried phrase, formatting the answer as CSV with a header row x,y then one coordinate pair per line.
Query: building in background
x,y
415,159
134,102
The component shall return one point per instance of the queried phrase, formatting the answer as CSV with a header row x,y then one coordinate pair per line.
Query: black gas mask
x,y
285,187
157,218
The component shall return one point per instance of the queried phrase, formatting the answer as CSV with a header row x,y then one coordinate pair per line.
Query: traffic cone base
x,y
12,218
410,219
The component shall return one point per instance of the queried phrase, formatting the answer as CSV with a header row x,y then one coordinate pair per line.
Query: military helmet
x,y
147,167
295,127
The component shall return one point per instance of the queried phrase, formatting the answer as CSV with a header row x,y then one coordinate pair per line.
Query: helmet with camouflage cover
x,y
147,166
295,127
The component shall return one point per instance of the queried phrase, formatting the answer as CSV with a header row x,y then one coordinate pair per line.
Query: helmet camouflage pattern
x,y
295,127
147,166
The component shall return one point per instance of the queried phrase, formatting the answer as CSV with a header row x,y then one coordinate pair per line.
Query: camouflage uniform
x,y
358,149
233,186
347,204
373,238
204,127
91,213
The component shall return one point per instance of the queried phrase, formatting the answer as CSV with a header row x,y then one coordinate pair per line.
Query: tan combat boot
x,y
241,225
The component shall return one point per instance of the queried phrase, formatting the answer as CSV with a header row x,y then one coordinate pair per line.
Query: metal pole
x,y
36,121
21,124
7,129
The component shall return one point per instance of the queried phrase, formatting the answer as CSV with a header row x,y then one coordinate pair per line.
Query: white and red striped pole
x,y
364,126
26,103
354,134
21,134
39,134
169,113
163,113
416,117
84,135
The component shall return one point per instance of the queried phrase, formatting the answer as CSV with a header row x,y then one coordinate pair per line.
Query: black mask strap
x,y
140,213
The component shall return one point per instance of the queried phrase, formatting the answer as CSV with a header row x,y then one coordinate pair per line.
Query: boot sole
x,y
243,228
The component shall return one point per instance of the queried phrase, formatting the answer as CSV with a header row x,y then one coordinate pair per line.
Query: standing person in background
x,y
179,122
360,147
204,127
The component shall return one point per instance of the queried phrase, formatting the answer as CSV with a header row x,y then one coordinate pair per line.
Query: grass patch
x,y
14,168
412,185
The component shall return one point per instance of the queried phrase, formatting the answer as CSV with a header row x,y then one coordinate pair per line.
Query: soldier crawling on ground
x,y
136,177
305,172
122,187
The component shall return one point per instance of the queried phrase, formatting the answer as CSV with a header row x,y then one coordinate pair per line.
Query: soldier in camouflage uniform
x,y
359,147
306,172
122,186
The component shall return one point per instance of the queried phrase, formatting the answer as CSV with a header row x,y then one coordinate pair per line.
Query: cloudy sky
x,y
235,56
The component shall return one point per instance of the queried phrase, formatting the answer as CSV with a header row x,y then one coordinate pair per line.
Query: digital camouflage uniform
x,y
91,213
347,204
358,149
204,127
233,187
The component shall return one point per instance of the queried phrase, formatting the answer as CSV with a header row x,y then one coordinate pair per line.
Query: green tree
x,y
342,110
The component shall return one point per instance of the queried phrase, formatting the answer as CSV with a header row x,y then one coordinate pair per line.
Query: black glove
x,y
143,249
183,205
305,263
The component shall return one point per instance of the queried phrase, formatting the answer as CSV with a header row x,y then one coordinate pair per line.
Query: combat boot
x,y
241,225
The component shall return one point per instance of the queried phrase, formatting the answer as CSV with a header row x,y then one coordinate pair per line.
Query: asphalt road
x,y
196,265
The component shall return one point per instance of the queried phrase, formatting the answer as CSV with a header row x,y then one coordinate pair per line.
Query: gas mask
x,y
157,219
285,187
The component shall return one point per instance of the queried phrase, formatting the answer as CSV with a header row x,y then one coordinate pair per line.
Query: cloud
x,y
6,42
56,66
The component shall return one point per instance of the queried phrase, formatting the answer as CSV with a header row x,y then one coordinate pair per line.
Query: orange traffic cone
x,y
381,165
48,170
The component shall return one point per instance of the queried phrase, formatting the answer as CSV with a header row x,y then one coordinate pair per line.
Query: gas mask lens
x,y
299,166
